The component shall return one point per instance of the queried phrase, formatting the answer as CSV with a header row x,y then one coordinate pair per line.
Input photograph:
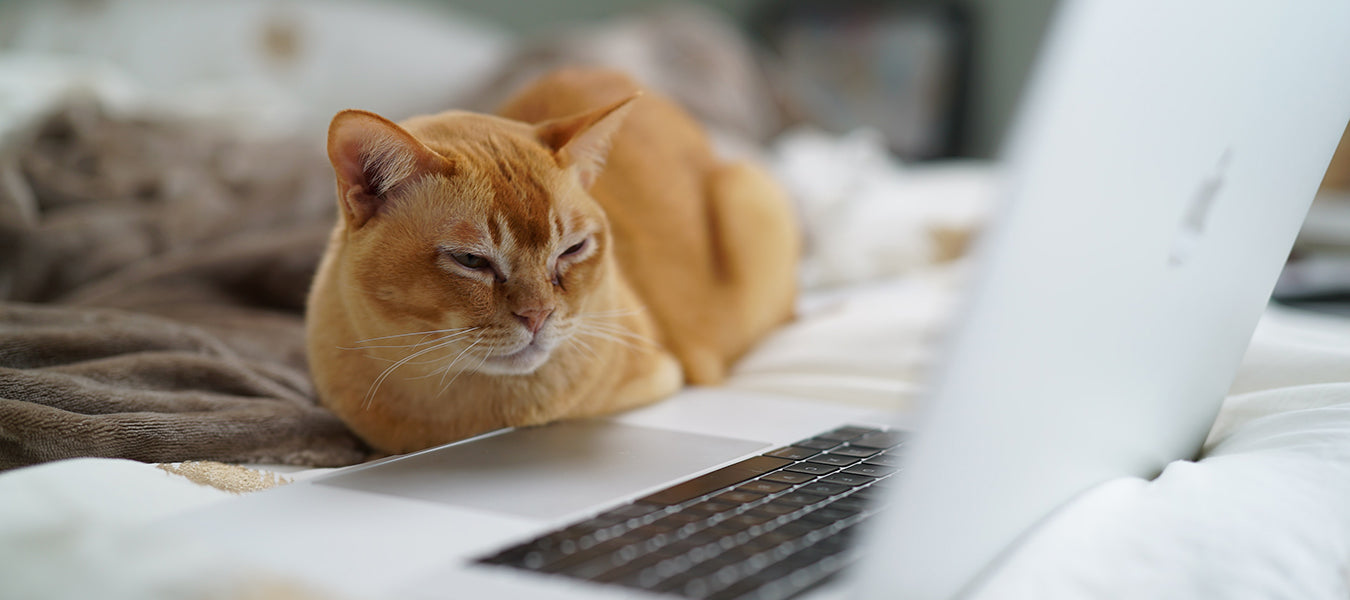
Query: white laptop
x,y
1164,159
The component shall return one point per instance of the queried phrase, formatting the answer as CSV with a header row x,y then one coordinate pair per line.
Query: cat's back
x,y
710,247
660,152
568,92
652,187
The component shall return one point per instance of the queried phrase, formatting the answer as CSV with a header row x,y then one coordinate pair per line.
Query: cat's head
x,y
475,228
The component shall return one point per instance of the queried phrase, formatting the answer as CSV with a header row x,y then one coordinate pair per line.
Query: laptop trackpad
x,y
547,472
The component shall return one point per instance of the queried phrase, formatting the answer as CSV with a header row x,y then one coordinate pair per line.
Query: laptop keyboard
x,y
770,526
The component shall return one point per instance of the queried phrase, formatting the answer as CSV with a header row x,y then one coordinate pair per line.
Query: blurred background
x,y
981,50
864,87
938,77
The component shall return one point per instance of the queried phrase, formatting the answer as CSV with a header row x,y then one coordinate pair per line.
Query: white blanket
x,y
1262,515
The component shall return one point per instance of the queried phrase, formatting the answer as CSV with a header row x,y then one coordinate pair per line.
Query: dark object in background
x,y
1317,275
901,67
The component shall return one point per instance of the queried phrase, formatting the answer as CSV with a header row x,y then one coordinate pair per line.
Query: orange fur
x,y
686,262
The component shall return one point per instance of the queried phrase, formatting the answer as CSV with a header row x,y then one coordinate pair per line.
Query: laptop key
x,y
707,508
855,451
630,511
812,468
845,434
708,536
767,569
884,482
775,509
817,443
869,470
867,494
763,487
824,489
646,578
829,514
716,480
761,543
628,569
744,588
674,523
566,563
885,460
594,567
798,499
788,477
647,533
737,497
749,519
836,460
793,452
693,583
849,479
673,566
879,439
591,525
851,503
796,529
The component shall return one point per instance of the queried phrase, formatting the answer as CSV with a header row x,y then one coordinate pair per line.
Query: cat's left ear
x,y
581,142
371,156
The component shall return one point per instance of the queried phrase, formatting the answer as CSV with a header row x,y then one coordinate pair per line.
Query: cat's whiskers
x,y
613,314
631,344
446,386
583,346
481,362
587,325
364,344
609,338
375,386
617,330
427,361
444,369
438,341
441,370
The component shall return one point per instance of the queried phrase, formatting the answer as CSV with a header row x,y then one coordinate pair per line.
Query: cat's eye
x,y
472,261
575,248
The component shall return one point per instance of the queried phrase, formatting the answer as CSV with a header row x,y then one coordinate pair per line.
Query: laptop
x,y
1164,158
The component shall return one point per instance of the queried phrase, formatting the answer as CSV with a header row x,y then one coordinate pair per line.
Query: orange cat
x,y
580,254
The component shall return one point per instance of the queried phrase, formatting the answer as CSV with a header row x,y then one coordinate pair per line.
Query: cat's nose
x,y
534,318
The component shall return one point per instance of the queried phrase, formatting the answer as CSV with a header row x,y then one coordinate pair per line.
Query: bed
x,y
1261,514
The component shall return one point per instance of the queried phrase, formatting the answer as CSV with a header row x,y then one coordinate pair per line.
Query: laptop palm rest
x,y
547,472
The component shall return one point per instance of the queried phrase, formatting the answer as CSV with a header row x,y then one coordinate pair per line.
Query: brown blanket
x,y
153,273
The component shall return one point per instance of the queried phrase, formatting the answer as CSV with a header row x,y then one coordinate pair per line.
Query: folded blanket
x,y
155,272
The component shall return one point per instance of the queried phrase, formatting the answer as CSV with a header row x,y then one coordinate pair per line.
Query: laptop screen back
x,y
1162,164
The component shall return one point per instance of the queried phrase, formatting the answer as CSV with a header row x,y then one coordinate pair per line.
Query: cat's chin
x,y
522,362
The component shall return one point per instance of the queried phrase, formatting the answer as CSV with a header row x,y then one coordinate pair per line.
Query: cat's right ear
x,y
371,155
581,142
